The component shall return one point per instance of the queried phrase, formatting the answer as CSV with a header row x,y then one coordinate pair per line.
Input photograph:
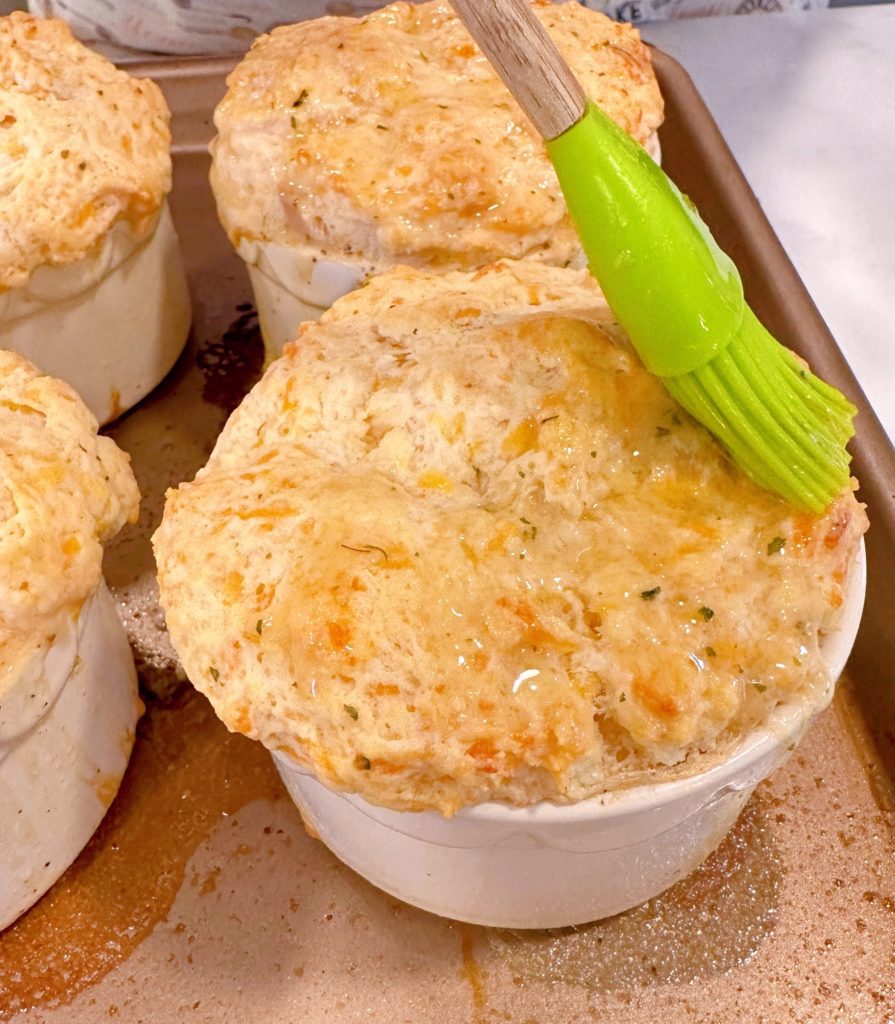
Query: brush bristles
x,y
784,427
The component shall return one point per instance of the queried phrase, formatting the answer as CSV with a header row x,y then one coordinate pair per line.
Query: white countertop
x,y
807,104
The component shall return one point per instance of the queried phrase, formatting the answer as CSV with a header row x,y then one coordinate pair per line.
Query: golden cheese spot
x,y
339,634
71,546
434,480
233,587
241,721
478,660
534,634
21,407
522,438
85,214
469,551
485,754
653,697
383,690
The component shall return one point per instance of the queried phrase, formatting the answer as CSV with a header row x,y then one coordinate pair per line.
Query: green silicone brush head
x,y
782,425
680,299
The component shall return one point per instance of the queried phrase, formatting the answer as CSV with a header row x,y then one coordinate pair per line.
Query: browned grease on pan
x,y
232,365
870,731
470,971
186,774
712,921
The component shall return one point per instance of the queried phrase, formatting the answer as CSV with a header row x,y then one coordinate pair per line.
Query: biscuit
x,y
82,146
389,139
64,490
459,545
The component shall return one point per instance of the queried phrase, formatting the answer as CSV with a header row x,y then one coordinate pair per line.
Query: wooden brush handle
x,y
527,60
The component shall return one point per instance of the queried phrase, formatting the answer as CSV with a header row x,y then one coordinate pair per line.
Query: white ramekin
x,y
66,732
551,865
292,285
111,324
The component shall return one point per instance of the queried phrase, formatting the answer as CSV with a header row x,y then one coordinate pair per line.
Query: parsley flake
x,y
367,549
648,595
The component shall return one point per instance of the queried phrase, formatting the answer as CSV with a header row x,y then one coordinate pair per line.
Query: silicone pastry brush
x,y
676,294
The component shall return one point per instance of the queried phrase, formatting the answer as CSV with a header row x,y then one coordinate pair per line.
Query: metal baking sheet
x,y
202,899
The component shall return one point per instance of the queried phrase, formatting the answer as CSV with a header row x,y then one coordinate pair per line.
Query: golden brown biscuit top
x,y
63,491
458,544
82,145
389,139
